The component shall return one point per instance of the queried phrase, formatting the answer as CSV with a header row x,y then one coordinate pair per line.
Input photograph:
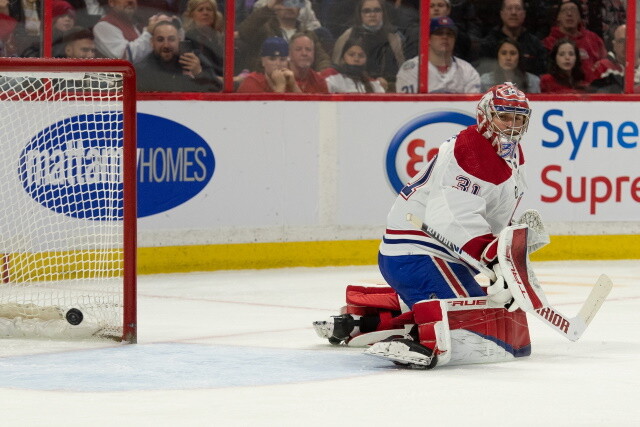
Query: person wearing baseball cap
x,y
274,18
437,8
275,75
447,73
64,15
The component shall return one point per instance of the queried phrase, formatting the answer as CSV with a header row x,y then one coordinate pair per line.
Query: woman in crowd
x,y
203,26
63,19
278,18
350,74
382,43
508,68
570,25
565,70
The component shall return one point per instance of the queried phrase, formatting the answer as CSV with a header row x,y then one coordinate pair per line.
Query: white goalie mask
x,y
511,108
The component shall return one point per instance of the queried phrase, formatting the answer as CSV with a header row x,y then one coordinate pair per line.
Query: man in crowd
x,y
447,73
569,24
513,15
166,69
279,18
79,44
302,55
609,72
116,35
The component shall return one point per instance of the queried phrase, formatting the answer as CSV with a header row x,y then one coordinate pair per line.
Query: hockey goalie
x,y
434,312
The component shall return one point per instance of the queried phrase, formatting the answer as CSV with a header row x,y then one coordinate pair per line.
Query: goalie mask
x,y
503,116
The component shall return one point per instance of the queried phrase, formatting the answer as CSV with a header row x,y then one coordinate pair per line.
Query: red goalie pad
x,y
508,330
377,307
363,300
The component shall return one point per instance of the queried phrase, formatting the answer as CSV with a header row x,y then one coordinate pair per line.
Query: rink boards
x,y
310,183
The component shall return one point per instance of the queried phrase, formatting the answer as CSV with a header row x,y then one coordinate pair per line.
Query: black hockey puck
x,y
74,316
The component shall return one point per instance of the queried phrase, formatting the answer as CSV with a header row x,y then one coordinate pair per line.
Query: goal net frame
x,y
43,66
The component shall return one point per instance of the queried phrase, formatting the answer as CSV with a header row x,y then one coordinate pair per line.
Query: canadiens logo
x,y
417,142
510,93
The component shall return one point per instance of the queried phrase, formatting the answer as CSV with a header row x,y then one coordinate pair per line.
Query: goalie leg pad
x,y
369,309
488,335
433,328
383,297
468,335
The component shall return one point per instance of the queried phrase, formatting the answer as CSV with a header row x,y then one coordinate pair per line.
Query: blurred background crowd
x,y
338,46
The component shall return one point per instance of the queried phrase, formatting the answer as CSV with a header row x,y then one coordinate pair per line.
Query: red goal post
x,y
68,198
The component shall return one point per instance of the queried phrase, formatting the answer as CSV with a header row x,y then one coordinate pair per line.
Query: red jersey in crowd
x,y
589,44
255,82
312,83
549,84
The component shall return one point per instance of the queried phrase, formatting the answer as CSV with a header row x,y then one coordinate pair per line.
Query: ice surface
x,y
237,349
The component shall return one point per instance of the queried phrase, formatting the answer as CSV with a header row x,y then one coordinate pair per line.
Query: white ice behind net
x,y
61,232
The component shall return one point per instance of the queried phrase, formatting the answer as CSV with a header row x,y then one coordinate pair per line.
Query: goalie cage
x,y
68,200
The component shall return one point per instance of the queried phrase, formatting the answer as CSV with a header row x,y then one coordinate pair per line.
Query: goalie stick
x,y
570,328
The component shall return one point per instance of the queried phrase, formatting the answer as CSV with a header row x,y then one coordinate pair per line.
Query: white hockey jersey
x,y
339,83
461,77
467,193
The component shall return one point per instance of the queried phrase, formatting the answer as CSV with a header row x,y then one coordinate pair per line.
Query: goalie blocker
x,y
453,331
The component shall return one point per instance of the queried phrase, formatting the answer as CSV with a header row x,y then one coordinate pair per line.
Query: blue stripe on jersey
x,y
416,242
434,246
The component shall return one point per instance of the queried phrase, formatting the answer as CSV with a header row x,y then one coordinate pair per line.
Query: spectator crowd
x,y
331,46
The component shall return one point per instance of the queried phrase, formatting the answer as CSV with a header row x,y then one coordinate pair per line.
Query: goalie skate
x,y
404,352
337,329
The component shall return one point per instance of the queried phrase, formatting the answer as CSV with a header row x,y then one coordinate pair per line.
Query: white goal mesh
x,y
62,204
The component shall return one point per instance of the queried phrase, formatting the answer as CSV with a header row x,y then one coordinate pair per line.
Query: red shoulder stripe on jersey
x,y
475,246
412,232
476,156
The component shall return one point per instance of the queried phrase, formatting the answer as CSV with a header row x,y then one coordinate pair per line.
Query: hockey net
x,y
67,199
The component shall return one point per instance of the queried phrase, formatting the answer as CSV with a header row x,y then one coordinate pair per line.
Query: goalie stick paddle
x,y
570,328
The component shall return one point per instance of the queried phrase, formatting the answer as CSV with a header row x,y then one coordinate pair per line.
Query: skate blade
x,y
398,353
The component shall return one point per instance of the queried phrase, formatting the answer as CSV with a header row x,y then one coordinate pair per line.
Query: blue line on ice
x,y
171,366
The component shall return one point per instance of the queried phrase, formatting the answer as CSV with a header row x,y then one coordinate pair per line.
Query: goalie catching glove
x,y
537,235
498,292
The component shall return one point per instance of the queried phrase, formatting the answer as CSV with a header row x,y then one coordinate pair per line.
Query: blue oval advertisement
x,y
416,142
174,164
74,166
